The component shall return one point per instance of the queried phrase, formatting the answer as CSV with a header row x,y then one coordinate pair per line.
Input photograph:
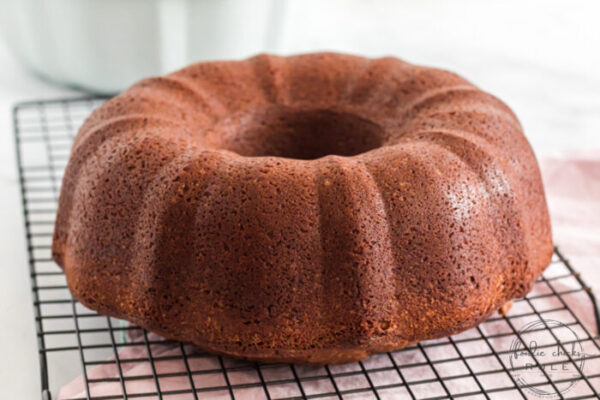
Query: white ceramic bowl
x,y
104,46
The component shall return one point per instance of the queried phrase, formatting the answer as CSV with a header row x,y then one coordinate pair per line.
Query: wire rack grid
x,y
480,363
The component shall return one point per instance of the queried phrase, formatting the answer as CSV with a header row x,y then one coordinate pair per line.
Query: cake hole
x,y
304,135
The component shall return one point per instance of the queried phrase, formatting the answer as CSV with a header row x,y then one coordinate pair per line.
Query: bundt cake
x,y
315,208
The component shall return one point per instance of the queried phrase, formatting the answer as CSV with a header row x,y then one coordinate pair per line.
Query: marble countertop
x,y
542,58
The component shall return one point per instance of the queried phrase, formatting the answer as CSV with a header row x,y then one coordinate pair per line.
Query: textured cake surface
x,y
314,208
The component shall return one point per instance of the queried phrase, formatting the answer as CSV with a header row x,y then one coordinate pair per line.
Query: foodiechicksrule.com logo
x,y
547,358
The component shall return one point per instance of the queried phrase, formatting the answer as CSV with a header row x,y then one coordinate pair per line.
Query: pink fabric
x,y
573,192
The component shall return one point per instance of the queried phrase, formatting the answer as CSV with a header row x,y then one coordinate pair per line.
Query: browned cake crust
x,y
315,208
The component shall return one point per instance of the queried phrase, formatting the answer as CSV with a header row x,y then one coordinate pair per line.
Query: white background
x,y
540,57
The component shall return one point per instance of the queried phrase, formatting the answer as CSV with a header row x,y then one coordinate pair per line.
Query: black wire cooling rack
x,y
541,349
